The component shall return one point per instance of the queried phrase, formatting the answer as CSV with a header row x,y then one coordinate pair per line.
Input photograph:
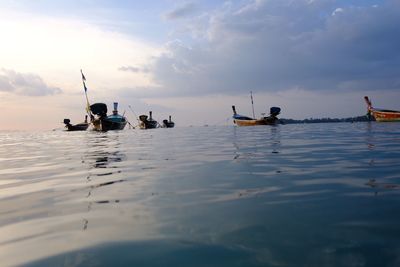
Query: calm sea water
x,y
290,195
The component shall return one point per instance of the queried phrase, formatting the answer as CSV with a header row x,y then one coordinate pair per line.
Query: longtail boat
x,y
382,115
168,123
241,120
147,122
102,122
76,127
98,114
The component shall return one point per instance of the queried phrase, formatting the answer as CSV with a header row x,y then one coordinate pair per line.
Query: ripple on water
x,y
291,195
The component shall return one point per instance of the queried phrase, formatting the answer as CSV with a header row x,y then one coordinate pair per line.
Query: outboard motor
x,y
274,111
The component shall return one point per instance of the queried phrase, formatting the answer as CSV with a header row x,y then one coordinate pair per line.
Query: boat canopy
x,y
274,111
99,109
143,117
241,117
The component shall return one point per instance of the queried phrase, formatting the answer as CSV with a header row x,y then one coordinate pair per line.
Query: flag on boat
x,y
83,80
85,88
83,76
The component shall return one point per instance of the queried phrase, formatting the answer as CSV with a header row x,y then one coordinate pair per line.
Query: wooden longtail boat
x,y
382,115
241,120
102,122
98,114
168,123
147,122
76,127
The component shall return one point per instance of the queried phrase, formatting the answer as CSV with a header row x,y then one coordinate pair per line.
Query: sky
x,y
195,59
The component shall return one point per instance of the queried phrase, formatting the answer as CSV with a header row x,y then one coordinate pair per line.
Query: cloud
x,y
278,45
25,84
181,11
59,47
134,69
337,11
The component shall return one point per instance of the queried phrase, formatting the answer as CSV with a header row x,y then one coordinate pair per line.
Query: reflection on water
x,y
373,137
288,195
102,152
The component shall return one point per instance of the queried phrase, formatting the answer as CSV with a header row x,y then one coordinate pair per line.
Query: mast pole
x,y
252,104
87,99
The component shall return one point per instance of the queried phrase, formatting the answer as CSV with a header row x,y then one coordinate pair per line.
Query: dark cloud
x,y
283,44
181,11
25,84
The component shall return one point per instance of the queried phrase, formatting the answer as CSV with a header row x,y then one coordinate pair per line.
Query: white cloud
x,y
28,84
57,49
337,11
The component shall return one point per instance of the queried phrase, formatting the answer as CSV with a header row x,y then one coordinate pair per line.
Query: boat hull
x,y
109,125
382,115
241,120
168,124
104,125
386,116
148,124
265,121
77,127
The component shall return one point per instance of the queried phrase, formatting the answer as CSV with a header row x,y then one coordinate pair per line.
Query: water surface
x,y
290,195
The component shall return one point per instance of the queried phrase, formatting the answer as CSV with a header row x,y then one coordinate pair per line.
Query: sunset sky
x,y
194,59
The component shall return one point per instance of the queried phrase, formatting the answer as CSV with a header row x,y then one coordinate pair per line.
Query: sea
x,y
286,195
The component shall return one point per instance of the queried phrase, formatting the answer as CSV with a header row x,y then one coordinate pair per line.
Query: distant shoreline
x,y
363,118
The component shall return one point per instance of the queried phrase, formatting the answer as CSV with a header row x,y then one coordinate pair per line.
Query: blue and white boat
x,y
106,123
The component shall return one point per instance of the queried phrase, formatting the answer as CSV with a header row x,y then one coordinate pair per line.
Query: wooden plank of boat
x,y
382,115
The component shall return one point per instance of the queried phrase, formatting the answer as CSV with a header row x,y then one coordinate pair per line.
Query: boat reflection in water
x,y
103,159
